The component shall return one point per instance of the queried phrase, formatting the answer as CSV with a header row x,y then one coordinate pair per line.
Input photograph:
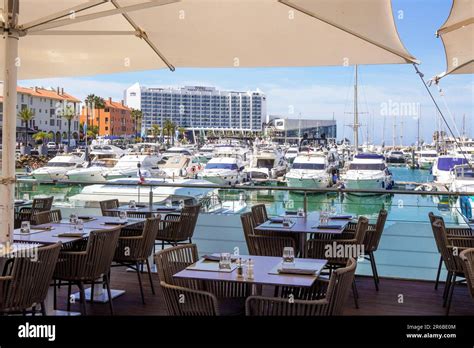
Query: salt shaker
x,y
240,271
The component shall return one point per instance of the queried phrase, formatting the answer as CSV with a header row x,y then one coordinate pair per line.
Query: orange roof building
x,y
114,119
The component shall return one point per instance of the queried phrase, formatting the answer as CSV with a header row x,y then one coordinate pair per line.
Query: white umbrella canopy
x,y
207,33
457,34
56,38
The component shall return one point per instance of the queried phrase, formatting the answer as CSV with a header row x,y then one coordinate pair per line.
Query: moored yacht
x,y
223,171
463,181
443,165
367,171
57,168
291,153
426,158
266,164
127,167
309,171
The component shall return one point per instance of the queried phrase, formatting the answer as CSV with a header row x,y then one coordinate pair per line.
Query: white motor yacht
x,y
309,171
443,165
57,168
266,164
426,158
367,171
128,166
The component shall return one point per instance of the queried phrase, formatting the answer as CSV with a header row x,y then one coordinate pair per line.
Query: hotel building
x,y
198,108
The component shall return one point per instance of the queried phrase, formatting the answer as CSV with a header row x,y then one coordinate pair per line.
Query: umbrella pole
x,y
9,127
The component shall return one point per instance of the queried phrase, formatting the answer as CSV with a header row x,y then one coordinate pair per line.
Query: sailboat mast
x,y
356,115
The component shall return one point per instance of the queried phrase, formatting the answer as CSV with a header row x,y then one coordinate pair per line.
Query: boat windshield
x,y
61,164
314,166
367,166
430,155
466,173
231,166
265,163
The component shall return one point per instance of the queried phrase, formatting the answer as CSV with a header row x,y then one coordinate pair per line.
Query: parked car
x,y
51,145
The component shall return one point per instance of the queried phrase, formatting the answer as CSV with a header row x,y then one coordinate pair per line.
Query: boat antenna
x,y
421,75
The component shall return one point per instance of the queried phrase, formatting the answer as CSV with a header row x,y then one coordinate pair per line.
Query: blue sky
x,y
320,92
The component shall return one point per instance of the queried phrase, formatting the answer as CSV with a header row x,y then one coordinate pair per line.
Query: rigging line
x,y
420,74
441,93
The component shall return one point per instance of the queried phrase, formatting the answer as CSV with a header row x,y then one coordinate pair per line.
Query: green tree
x,y
182,132
41,136
154,131
26,115
137,120
68,114
169,128
99,104
89,101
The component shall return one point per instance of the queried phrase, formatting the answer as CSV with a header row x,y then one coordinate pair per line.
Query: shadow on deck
x,y
396,297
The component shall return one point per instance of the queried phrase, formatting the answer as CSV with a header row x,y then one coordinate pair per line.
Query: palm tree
x,y
169,127
89,101
68,114
155,131
26,115
136,117
182,132
99,103
41,136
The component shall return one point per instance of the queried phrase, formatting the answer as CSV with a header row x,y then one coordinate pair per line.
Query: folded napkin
x,y
46,228
84,217
217,257
140,205
167,208
327,227
278,220
341,217
291,213
115,223
297,271
70,234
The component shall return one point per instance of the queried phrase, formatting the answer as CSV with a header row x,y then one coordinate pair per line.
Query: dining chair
x,y
133,251
320,247
178,228
46,217
451,232
259,214
450,248
27,213
270,245
371,241
26,284
248,228
86,266
195,303
332,304
109,204
467,258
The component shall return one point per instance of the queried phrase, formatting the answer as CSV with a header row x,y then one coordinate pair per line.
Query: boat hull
x,y
310,183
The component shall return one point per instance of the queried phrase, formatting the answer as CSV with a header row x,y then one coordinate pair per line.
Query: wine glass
x,y
123,216
132,204
225,261
79,225
300,212
169,203
73,218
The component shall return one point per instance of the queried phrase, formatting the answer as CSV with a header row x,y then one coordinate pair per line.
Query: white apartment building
x,y
47,104
198,107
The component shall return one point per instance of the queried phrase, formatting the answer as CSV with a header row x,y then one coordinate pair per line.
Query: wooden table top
x,y
262,266
51,236
304,225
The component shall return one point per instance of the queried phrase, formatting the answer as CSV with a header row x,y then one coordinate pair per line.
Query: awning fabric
x,y
457,34
205,33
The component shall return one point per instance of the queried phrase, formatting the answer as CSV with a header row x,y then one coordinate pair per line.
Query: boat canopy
x,y
448,163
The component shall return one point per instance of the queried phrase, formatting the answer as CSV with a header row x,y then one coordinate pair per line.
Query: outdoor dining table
x,y
51,233
264,272
308,224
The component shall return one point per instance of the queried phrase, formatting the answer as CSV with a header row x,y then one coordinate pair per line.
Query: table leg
x,y
49,304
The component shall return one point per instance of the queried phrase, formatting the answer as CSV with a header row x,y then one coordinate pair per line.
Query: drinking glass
x,y
25,227
132,204
26,196
169,203
123,216
323,219
300,212
79,225
73,218
224,261
181,204
288,256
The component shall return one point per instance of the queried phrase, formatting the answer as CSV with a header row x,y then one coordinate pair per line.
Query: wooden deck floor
x,y
396,297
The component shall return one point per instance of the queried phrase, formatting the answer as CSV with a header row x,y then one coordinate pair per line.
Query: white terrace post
x,y
7,182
